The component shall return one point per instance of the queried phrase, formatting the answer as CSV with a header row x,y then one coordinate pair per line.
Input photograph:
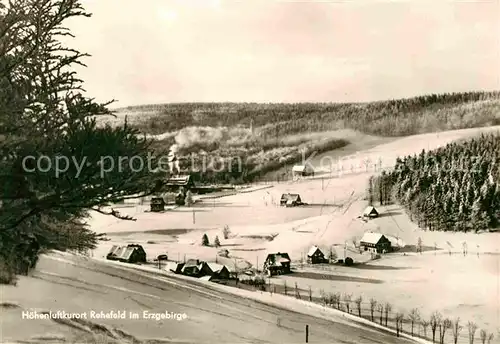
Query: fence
x,y
383,314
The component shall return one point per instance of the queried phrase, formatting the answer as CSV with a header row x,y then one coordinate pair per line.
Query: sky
x,y
163,51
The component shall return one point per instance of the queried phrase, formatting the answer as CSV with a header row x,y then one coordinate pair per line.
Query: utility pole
x,y
307,333
194,217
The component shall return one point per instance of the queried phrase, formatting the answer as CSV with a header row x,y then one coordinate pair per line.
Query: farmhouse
x,y
277,263
290,200
302,170
370,212
316,256
375,243
129,254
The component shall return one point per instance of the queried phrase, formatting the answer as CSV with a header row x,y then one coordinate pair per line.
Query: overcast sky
x,y
160,51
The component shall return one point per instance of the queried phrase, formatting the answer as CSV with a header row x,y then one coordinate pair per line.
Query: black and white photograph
x,y
250,171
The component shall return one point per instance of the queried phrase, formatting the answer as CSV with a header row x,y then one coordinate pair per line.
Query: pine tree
x,y
204,240
217,241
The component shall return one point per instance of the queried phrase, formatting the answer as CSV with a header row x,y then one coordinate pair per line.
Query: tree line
x,y
453,188
386,118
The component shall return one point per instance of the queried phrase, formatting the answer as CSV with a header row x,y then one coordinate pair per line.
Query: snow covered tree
x,y
216,241
204,240
226,232
45,117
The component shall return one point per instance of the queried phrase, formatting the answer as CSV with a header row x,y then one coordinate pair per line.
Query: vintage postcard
x,y
250,171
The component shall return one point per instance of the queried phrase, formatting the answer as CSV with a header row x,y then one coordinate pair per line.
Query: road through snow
x,y
80,285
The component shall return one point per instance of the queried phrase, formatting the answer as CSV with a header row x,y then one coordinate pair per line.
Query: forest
x,y
401,117
453,188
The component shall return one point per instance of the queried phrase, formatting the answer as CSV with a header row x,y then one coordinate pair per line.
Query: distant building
x,y
157,204
218,271
290,200
277,263
177,187
370,212
375,243
180,183
316,256
192,268
129,254
302,170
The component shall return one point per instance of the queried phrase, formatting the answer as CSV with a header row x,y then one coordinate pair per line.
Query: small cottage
x,y
375,243
370,212
157,204
192,268
316,256
290,200
277,263
302,170
129,254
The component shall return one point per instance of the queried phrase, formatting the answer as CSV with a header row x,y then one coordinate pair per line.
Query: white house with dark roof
x,y
375,243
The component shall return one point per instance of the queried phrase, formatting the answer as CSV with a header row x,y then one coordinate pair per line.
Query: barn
x,y
375,243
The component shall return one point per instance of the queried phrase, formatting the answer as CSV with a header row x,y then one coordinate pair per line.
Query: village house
x,y
192,268
316,256
290,200
370,212
302,171
218,271
375,243
176,188
128,254
277,263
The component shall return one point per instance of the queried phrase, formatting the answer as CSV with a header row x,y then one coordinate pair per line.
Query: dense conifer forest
x,y
453,188
428,113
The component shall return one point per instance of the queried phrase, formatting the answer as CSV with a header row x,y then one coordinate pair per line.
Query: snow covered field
x,y
458,286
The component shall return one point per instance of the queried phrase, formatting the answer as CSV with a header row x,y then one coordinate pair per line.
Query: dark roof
x,y
370,210
313,250
290,197
125,252
278,258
